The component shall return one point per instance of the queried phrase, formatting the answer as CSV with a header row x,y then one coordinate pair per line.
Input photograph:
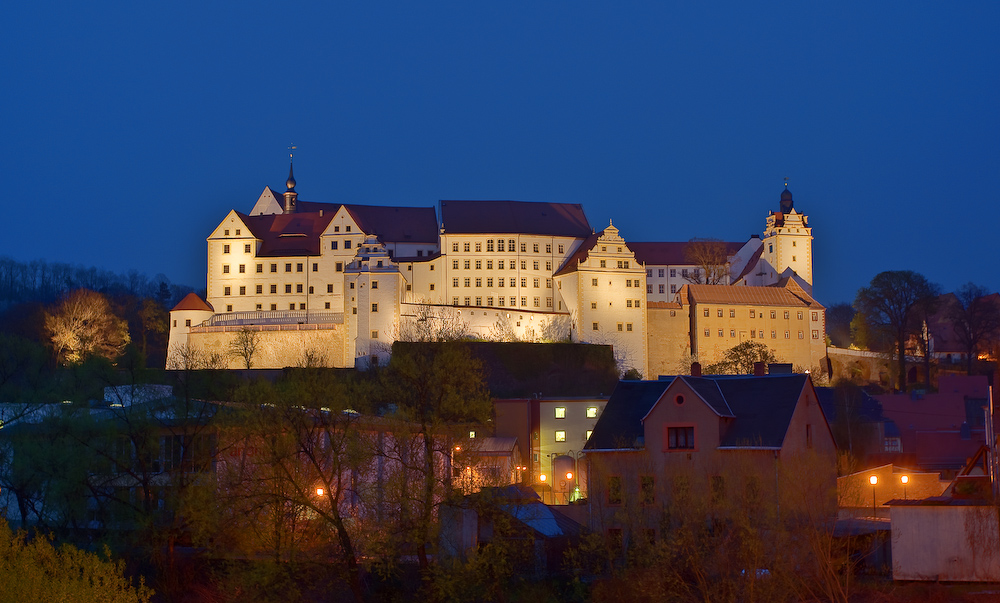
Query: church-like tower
x,y
788,242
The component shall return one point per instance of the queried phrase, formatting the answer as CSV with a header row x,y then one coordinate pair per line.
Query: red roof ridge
x,y
192,301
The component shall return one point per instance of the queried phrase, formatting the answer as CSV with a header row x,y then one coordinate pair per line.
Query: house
x,y
708,436
338,283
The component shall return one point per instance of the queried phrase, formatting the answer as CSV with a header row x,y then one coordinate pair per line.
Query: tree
x,y
438,388
82,325
154,320
741,359
712,260
975,317
887,307
32,569
244,345
923,311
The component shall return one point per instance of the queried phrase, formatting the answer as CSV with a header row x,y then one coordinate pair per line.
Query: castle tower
x,y
788,243
372,302
290,194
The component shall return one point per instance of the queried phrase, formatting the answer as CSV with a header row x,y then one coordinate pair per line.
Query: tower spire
x,y
290,195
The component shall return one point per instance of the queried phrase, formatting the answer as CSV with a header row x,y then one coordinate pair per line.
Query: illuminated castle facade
x,y
337,284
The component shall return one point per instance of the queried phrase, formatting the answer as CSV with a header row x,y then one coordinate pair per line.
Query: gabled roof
x,y
191,301
785,296
288,234
660,254
389,223
515,217
620,424
758,409
573,261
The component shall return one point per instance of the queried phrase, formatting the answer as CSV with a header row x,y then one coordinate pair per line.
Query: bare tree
x,y
244,345
975,318
711,259
82,325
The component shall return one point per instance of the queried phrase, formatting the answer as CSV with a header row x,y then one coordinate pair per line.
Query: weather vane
x,y
291,154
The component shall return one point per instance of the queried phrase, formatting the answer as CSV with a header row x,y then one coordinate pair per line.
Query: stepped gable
x,y
515,217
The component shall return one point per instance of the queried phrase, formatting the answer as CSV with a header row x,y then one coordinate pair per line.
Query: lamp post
x,y
873,480
541,478
905,479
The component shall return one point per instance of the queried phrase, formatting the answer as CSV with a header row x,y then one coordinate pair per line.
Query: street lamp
x,y
319,491
905,479
873,480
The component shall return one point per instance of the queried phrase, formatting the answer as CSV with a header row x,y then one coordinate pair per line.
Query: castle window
x,y
310,290
732,332
326,306
774,334
479,264
301,306
663,289
225,269
226,232
620,264
243,268
548,302
468,282
815,334
339,267
468,301
684,272
274,288
721,333
489,282
548,283
719,312
815,316
793,242
628,303
753,314
673,288
229,307
513,301
659,272
454,301
537,302
243,290
374,307
512,283
620,327
595,327
501,281
560,436
591,412
347,228
604,264
534,282
489,301
770,248
786,314
786,335
524,265
347,243
246,248
489,245
673,272
479,283
288,288
260,268
614,498
374,334
524,248
489,264
467,264
500,264
329,288
298,267
226,290
479,301
336,229
274,307
561,249
524,282
524,301
560,412
593,305
466,247
315,267
800,334
510,245
432,287
548,248
501,300
773,314
649,289
454,264
793,258
534,265
274,267
798,315
706,312
333,245
593,282
225,248
288,267
479,247
260,289
374,284
187,322
707,332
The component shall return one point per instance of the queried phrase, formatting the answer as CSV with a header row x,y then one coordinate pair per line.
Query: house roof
x,y
784,296
191,301
759,409
495,445
672,254
288,234
620,424
515,217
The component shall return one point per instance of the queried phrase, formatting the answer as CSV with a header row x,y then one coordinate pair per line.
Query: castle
x,y
295,283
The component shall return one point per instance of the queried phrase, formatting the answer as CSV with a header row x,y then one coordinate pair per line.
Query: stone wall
x,y
277,348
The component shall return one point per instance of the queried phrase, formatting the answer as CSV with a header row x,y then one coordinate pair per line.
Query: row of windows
x,y
560,412
288,289
625,327
754,334
673,289
753,313
274,307
501,301
467,265
629,303
560,435
628,282
660,272
237,232
246,246
510,247
299,267
621,264
536,283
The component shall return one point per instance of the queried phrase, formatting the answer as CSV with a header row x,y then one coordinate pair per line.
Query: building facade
x,y
345,281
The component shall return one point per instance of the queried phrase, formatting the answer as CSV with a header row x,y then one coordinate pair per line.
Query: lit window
x,y
589,431
560,412
591,412
560,436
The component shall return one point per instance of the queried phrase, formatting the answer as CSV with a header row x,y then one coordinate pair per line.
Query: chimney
x,y
696,369
759,369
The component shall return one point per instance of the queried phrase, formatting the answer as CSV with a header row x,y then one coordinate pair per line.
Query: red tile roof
x,y
761,296
670,254
515,217
191,301
389,223
294,234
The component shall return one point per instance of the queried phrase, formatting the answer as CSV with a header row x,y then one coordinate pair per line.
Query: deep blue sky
x,y
129,129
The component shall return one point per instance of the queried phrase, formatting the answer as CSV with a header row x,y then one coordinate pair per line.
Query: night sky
x,y
130,129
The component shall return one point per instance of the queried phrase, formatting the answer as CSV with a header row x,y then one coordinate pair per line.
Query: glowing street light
x,y
320,491
905,479
873,480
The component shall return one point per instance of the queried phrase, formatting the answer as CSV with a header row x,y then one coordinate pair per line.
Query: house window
x,y
225,248
225,269
774,334
298,288
510,245
326,305
786,335
258,307
333,245
468,282
329,288
800,334
673,273
591,412
706,332
479,247
454,282
315,267
260,268
649,288
647,490
347,243
815,334
226,291
274,307
347,228
187,322
548,248
243,268
374,307
753,314
560,436
614,490
673,288
663,288
594,328
374,284
274,288
706,312
479,300
227,232
310,290
374,334
489,245
274,267
589,431
786,314
336,229
628,326
229,307
560,412
479,264
298,267
454,264
534,265
798,315
260,289
454,301
680,438
479,282
467,264
732,332
468,301
536,302
246,248
524,265
815,316
721,333
466,247
288,288
524,302
560,249
288,267
621,327
454,247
